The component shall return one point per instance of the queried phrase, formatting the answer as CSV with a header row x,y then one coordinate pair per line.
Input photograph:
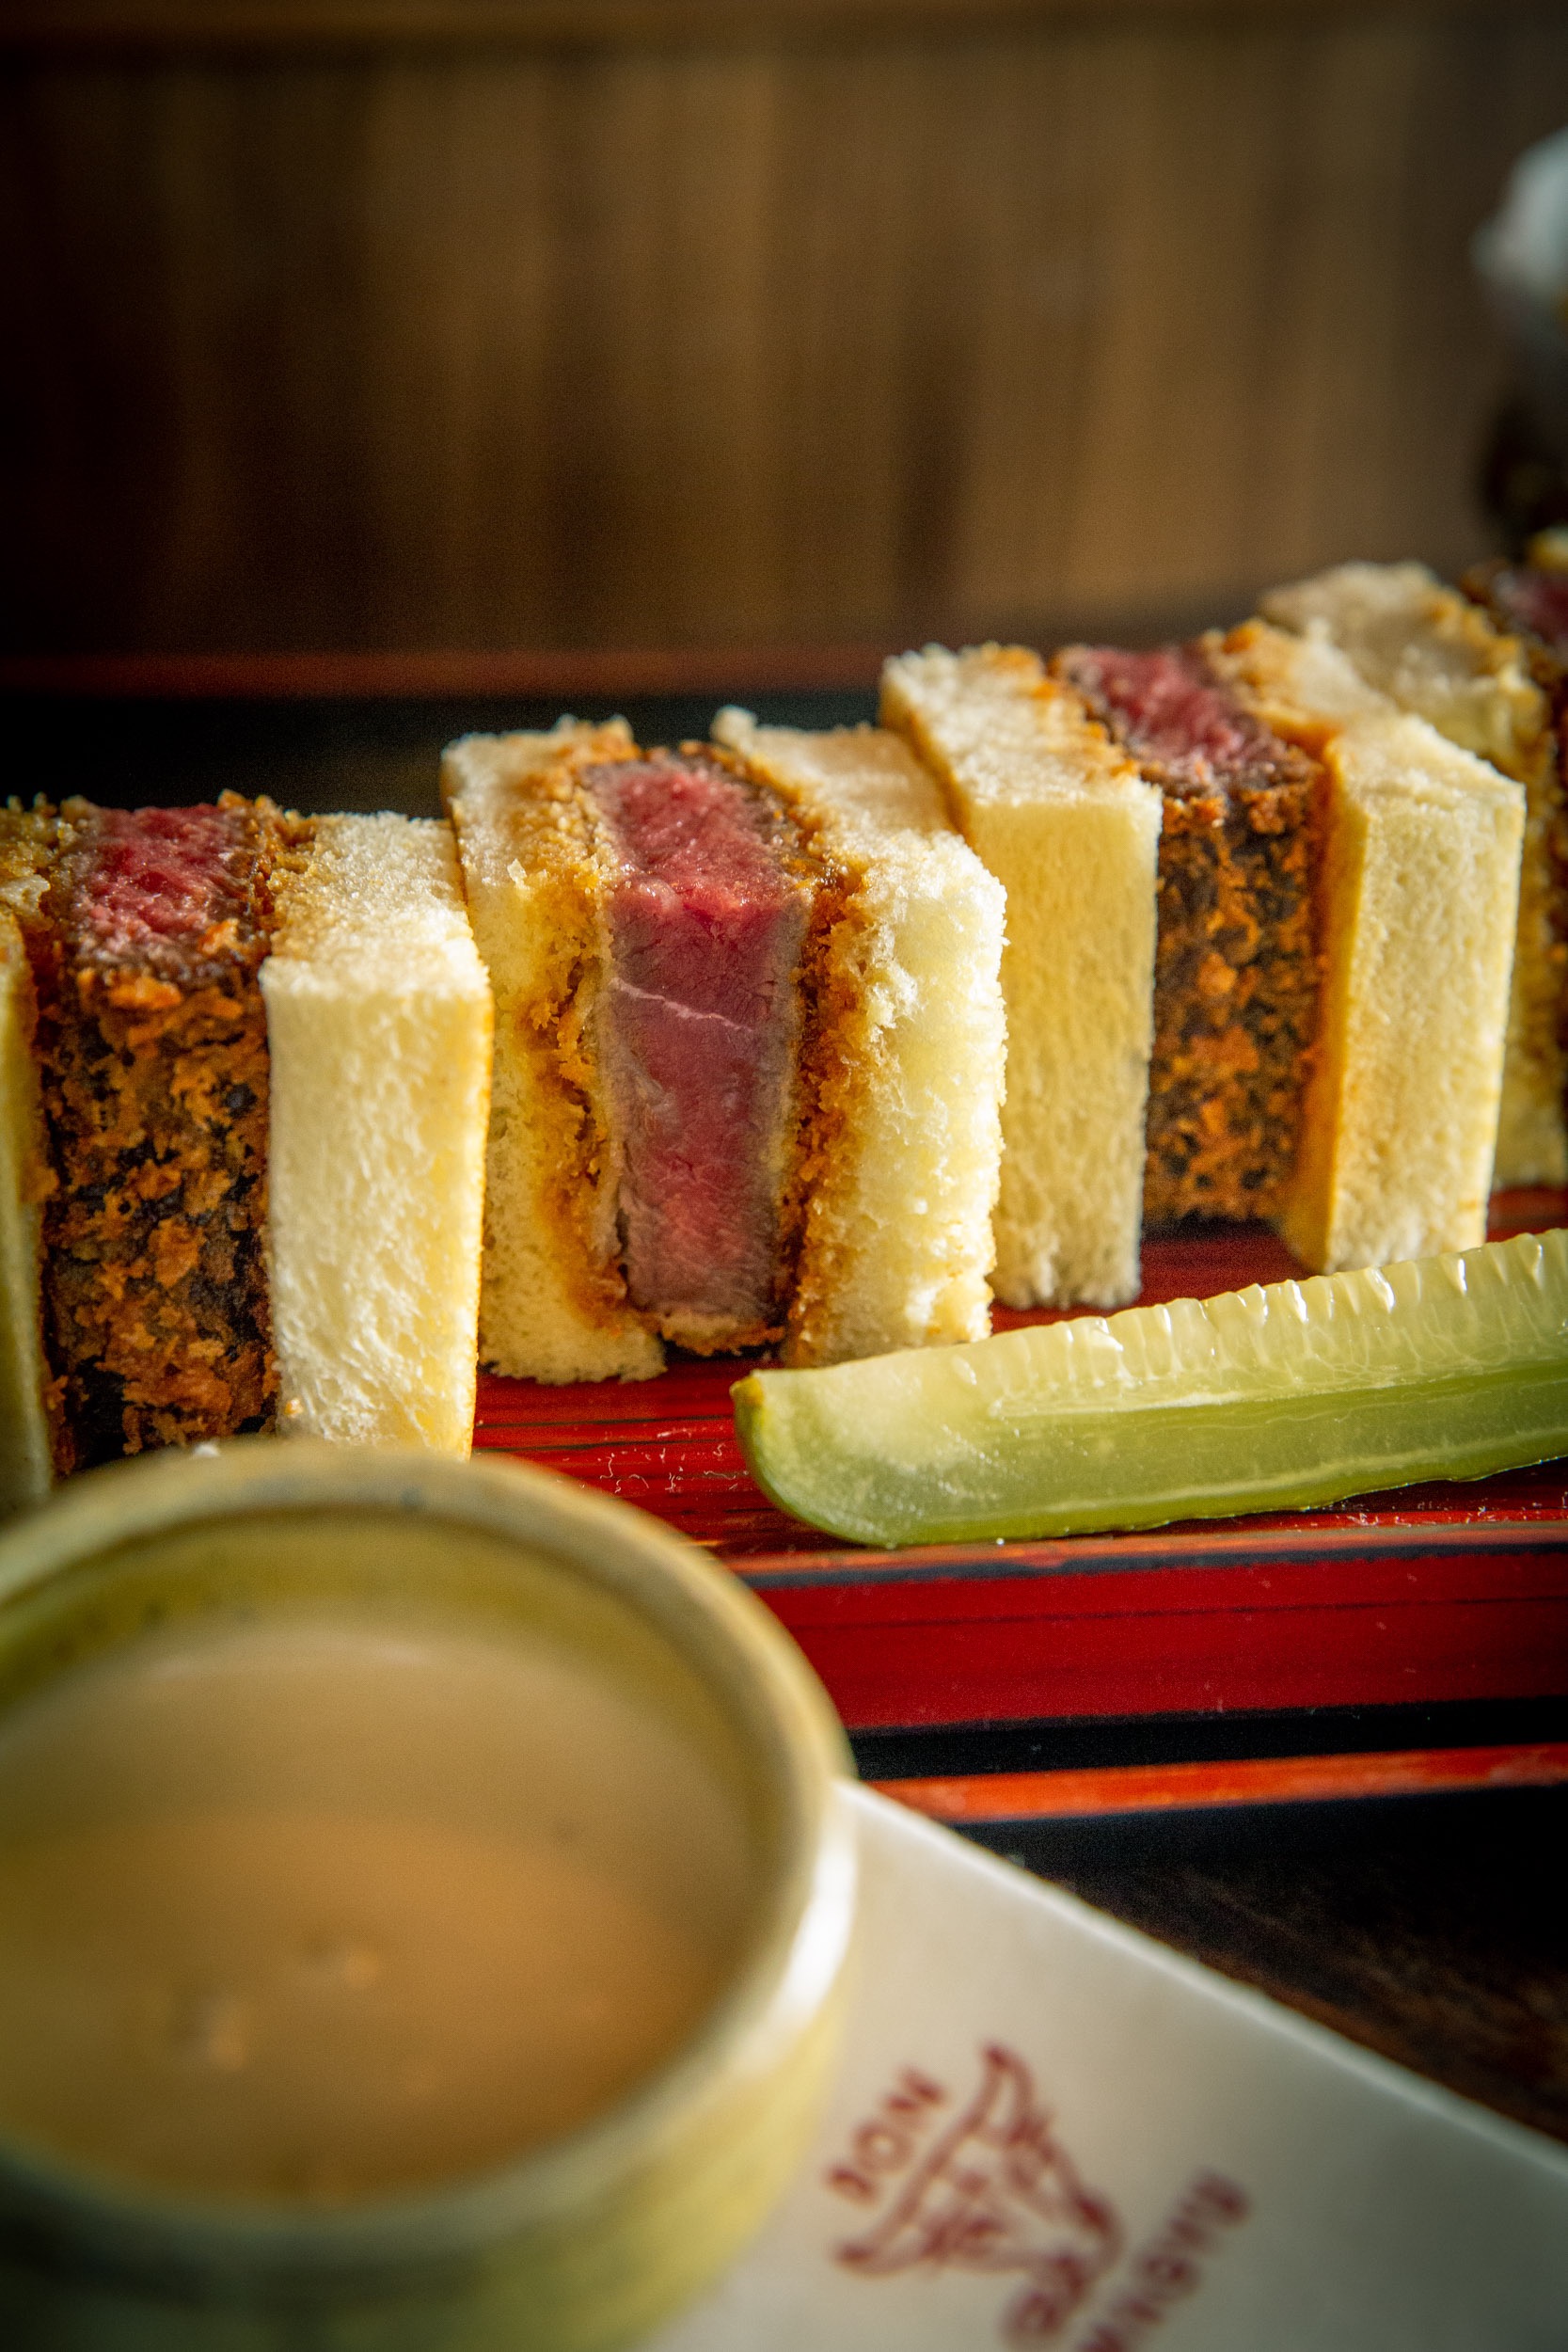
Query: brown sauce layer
x,y
1236,956
311,1908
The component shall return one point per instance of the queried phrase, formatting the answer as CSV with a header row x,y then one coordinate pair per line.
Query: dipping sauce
x,y
306,1907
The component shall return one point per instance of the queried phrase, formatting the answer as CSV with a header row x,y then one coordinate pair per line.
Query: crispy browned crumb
x,y
1236,954
1235,1001
831,1088
154,1071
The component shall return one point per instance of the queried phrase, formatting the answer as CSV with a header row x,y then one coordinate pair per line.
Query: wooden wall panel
x,y
951,327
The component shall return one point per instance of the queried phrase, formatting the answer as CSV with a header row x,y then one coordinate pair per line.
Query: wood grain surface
x,y
861,326
1437,1933
249,25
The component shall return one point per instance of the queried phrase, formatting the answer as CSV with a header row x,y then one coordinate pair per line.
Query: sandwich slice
x,y
1062,817
1420,902
553,1302
138,1069
1236,946
379,1025
1452,664
906,1049
728,982
153,1056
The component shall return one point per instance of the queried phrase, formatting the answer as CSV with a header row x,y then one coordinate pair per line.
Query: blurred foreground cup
x,y
293,1741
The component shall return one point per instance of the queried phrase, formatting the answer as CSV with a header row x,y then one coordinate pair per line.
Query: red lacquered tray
x,y
1438,1593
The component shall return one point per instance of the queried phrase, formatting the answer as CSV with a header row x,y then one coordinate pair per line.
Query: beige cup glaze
x,y
585,2243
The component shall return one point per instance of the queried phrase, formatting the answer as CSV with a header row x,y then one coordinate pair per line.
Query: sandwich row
x,y
1276,941
783,1039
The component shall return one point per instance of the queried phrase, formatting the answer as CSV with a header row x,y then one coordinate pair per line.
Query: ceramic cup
x,y
588,2240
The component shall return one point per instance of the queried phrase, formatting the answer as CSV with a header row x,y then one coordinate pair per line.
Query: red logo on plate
x,y
995,2191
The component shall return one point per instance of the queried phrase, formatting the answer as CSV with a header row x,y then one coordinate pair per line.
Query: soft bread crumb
x,y
1067,824
897,1237
1428,649
379,1030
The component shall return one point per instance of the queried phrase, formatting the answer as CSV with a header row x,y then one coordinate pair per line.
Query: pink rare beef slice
x,y
1168,709
707,921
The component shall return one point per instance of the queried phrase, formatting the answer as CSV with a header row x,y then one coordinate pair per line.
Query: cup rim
x,y
795,1949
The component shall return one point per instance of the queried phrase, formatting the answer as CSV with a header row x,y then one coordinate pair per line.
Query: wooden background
x,y
495,324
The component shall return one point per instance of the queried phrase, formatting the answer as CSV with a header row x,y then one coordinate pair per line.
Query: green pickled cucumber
x,y
1259,1400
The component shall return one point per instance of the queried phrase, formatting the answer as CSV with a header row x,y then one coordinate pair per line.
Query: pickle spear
x,y
1259,1400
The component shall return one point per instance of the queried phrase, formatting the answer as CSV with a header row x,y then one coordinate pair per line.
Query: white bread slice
x,y
545,1311
897,1241
378,1032
25,1451
1437,655
1420,901
1070,829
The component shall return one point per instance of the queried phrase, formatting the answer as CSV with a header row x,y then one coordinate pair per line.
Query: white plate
x,y
1049,2130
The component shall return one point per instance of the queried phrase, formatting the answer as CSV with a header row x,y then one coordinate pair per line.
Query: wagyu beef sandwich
x,y
1420,891
1237,949
146,932
1260,924
1481,678
902,1051
1159,844
205,999
747,1052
